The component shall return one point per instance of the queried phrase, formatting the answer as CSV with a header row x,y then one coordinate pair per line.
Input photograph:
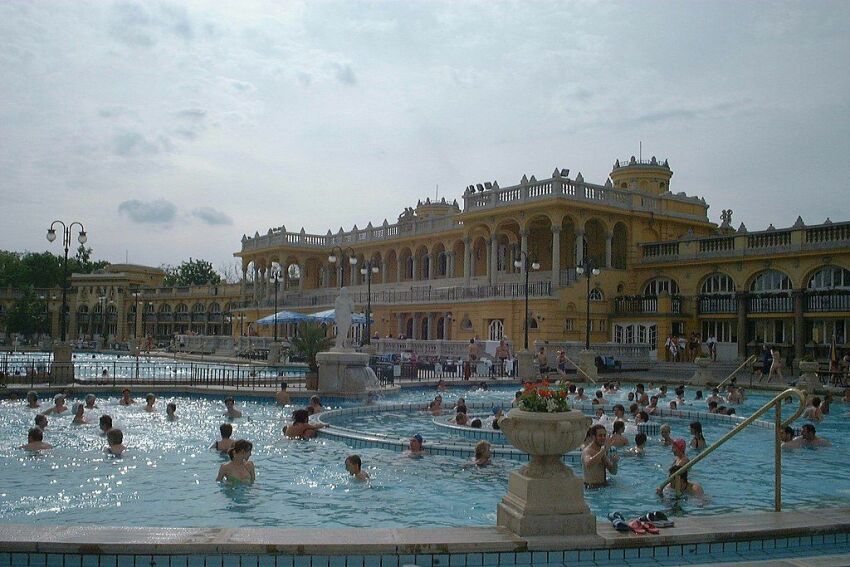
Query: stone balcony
x,y
799,238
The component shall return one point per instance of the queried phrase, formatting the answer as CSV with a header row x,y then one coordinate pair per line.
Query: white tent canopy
x,y
282,318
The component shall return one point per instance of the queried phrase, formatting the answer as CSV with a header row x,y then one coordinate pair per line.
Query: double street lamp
x,y
333,257
587,269
66,241
526,261
369,268
275,277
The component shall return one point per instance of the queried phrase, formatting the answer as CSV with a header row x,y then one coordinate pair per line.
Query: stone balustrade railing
x,y
624,352
795,239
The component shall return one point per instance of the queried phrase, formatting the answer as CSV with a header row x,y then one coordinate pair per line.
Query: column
x,y
579,247
467,259
413,276
450,264
256,290
432,332
432,264
399,269
302,276
242,283
556,255
340,271
799,325
262,283
417,326
384,271
121,321
355,273
608,237
741,298
523,243
491,259
399,324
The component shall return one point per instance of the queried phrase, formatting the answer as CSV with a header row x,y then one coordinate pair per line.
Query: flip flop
x,y
636,527
612,516
650,528
648,518
620,525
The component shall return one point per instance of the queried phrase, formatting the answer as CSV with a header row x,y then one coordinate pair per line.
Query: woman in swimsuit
x,y
239,469
301,428
225,444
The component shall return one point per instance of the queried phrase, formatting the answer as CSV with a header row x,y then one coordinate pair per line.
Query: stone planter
x,y
545,497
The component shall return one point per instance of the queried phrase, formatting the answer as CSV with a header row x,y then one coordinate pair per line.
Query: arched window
x,y
596,294
717,283
771,281
496,330
215,308
182,308
656,286
830,277
164,308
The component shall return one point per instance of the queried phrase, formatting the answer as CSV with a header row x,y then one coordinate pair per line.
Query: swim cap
x,y
58,397
90,396
679,444
419,438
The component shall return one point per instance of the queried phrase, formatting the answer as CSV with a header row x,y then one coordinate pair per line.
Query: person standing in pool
x,y
115,442
483,456
224,444
595,459
681,486
32,400
354,466
41,421
415,446
79,414
90,401
230,408
58,405
126,400
240,469
171,412
35,441
150,401
678,448
301,428
282,396
808,439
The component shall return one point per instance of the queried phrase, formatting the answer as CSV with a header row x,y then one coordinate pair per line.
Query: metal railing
x,y
779,425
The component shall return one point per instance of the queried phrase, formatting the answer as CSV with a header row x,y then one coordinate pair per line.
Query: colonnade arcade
x,y
483,252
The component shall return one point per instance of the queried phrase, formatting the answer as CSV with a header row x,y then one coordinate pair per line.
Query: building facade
x,y
449,270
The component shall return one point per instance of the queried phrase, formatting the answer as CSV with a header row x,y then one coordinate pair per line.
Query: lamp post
x,y
367,270
332,258
275,277
526,262
588,270
66,241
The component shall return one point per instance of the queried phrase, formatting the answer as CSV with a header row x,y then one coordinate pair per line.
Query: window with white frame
x,y
771,281
596,294
723,331
635,333
830,277
717,283
657,285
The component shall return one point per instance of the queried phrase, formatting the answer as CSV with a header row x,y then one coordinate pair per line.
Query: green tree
x,y
42,270
28,315
311,340
191,272
11,269
82,262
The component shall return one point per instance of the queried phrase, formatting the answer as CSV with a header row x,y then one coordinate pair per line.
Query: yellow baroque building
x,y
455,271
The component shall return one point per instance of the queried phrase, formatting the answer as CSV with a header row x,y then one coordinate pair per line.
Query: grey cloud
x,y
211,216
158,211
192,114
241,86
138,25
133,144
345,75
112,111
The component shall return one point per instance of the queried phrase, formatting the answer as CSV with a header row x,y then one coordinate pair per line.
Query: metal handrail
x,y
779,425
580,369
746,362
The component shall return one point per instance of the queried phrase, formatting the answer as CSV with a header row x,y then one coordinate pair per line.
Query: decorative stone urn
x,y
809,377
545,497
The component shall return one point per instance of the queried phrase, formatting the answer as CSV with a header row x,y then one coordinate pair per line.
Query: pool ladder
x,y
779,425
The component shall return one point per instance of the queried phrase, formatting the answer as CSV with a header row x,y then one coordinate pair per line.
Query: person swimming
x,y
115,443
665,435
171,412
58,405
150,401
41,421
79,414
282,396
126,400
354,466
483,454
698,442
316,404
224,444
105,424
230,408
35,441
414,448
681,486
32,400
90,401
301,428
240,468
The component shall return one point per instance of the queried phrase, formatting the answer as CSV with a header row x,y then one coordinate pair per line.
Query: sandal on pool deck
x,y
636,527
656,519
612,516
649,527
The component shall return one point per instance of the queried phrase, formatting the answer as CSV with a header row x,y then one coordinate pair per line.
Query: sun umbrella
x,y
282,318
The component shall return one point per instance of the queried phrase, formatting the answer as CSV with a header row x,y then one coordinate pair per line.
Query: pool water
x,y
167,477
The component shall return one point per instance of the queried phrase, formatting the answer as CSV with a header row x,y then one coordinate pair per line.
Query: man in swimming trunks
x,y
595,458
813,412
617,439
35,441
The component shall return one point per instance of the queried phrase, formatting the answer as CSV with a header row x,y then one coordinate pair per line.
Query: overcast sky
x,y
170,129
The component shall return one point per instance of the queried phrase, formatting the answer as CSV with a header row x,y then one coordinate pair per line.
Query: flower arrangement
x,y
544,398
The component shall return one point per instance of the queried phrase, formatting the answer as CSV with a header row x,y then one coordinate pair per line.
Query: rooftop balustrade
x,y
795,239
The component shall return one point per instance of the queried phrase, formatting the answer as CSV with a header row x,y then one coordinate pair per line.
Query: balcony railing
x,y
828,300
712,304
771,303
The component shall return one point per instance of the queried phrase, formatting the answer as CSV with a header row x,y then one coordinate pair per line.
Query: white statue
x,y
343,306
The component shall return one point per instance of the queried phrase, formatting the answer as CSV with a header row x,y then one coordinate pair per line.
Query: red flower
x,y
545,393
